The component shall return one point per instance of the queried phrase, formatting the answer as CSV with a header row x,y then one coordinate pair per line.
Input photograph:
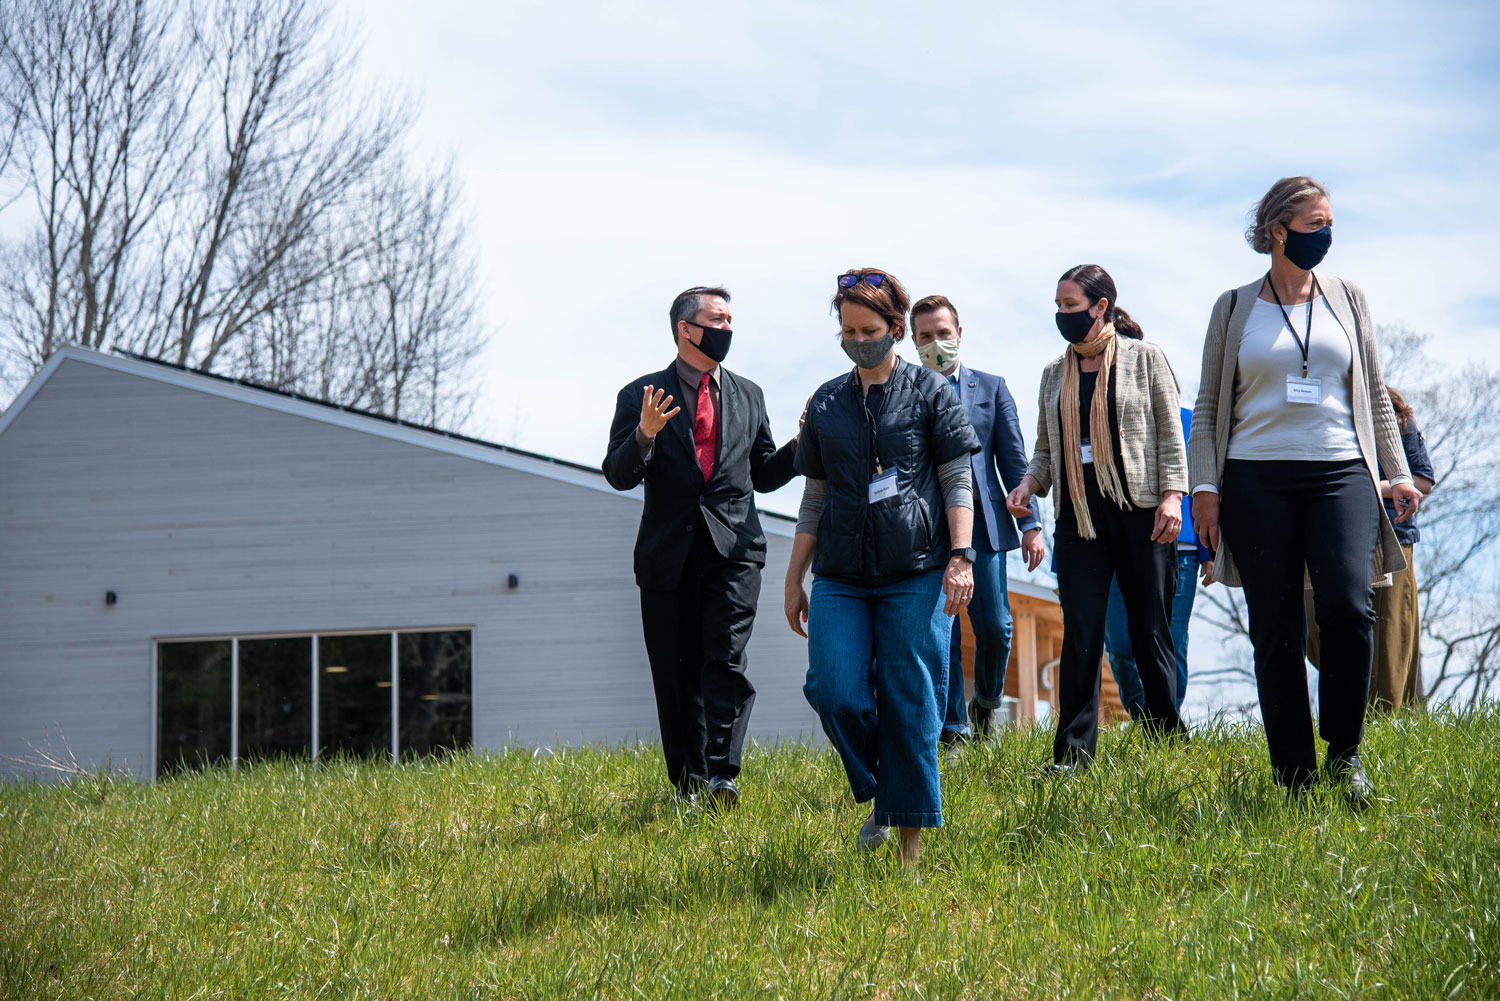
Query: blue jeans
x,y
989,615
877,659
1117,636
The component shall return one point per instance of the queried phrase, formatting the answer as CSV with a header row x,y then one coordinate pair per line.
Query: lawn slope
x,y
1159,874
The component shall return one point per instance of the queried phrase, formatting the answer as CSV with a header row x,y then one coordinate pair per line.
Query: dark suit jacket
x,y
993,414
677,497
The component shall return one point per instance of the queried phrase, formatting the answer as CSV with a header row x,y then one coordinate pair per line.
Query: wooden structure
x,y
1035,647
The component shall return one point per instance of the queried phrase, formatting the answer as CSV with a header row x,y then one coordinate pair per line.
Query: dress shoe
x,y
722,793
1350,773
871,835
981,721
1061,769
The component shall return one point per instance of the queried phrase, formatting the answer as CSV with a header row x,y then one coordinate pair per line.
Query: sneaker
x,y
871,835
1350,773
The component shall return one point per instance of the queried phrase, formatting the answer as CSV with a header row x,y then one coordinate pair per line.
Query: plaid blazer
x,y
1148,412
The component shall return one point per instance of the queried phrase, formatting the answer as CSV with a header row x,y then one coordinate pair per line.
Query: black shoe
x,y
981,721
722,793
1347,771
952,738
1062,769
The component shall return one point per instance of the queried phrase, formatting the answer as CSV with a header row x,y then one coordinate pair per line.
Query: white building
x,y
195,568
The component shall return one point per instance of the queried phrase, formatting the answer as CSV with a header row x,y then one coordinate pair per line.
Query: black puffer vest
x,y
918,425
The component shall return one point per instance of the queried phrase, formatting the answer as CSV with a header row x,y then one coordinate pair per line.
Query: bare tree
x,y
1458,561
210,188
391,327
98,107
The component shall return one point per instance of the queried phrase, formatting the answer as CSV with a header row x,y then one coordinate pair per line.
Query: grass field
x,y
1159,874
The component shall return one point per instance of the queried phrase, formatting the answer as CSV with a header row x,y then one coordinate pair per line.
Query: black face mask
x,y
1307,250
1074,326
715,342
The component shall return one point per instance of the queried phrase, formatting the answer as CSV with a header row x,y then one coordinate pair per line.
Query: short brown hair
x,y
690,301
931,304
888,298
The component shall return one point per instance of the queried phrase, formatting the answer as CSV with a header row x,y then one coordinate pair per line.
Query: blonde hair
x,y
1279,205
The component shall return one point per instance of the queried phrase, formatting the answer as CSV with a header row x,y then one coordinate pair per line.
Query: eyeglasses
x,y
851,279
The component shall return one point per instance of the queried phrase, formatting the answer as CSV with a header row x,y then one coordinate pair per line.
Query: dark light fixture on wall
x,y
110,597
512,582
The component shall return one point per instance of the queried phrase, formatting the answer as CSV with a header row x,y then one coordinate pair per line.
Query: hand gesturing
x,y
654,412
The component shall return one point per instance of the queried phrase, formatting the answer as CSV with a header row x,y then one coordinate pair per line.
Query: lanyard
x,y
874,418
1302,345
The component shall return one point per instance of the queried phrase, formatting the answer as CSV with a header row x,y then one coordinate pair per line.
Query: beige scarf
x,y
1100,434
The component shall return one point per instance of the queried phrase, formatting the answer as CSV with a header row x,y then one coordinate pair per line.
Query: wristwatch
x,y
967,554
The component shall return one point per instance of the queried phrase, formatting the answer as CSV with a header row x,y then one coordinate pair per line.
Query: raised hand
x,y
654,412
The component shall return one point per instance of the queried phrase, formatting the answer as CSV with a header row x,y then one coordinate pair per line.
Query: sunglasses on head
x,y
851,279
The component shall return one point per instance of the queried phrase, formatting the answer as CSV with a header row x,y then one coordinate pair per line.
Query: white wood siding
x,y
209,515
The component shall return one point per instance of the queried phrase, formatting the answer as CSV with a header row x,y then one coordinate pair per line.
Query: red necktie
x,y
703,429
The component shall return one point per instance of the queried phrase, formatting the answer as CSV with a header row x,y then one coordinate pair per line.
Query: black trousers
x,y
1147,571
695,640
1278,517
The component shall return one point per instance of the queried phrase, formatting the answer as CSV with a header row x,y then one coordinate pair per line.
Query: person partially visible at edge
x,y
1291,428
1114,447
1396,673
885,523
938,336
700,548
1193,558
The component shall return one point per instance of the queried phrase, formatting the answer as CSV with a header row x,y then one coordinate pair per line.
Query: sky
x,y
614,154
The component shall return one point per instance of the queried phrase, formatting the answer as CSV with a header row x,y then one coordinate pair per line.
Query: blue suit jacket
x,y
992,411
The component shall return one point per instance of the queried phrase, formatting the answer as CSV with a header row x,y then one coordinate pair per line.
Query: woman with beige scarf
x,y
1115,447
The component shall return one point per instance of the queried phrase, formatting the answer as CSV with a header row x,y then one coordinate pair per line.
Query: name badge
x,y
883,486
1299,390
1087,448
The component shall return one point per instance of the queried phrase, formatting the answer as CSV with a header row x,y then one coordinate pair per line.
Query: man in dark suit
x,y
700,548
992,412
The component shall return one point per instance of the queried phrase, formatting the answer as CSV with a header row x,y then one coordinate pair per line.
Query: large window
x,y
193,717
387,694
436,692
354,694
275,698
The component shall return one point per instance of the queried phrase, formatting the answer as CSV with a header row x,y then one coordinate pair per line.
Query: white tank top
x,y
1267,426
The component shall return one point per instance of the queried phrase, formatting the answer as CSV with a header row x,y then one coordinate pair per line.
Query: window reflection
x,y
354,695
436,692
276,698
193,705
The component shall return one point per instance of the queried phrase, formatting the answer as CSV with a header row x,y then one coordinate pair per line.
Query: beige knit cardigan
x,y
1150,419
1374,419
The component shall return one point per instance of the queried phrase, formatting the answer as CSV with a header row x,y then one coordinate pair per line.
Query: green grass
x,y
1159,874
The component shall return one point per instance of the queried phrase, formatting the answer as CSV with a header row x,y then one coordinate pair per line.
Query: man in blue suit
x,y
937,334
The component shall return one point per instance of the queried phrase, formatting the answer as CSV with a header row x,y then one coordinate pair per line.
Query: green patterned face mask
x,y
938,354
868,354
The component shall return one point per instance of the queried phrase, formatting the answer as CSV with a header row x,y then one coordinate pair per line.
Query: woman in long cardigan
x,y
1291,427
